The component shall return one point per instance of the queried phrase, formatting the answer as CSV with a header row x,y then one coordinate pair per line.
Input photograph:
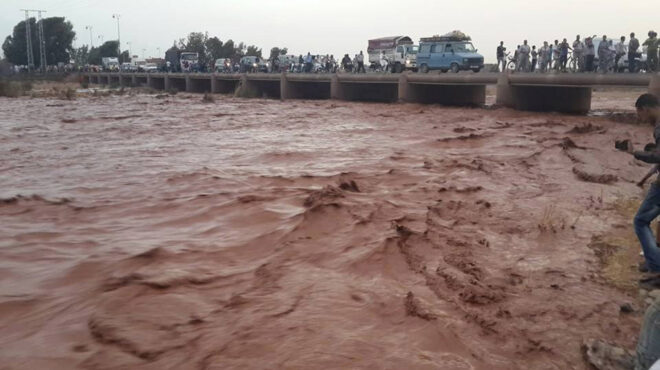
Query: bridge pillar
x,y
121,79
284,87
214,84
167,82
564,99
247,88
404,87
189,86
134,82
336,88
149,81
457,94
654,85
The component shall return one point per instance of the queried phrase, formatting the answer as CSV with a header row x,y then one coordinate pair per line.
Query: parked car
x,y
128,67
252,64
148,67
223,65
452,52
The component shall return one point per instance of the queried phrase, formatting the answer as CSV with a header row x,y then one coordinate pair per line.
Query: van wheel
x,y
424,68
476,70
398,68
455,68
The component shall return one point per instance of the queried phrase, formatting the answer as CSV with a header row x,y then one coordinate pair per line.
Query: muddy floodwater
x,y
161,232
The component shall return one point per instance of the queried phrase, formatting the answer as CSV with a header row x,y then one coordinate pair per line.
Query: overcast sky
x,y
339,26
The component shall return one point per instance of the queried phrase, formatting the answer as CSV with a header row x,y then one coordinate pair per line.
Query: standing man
x,y
648,109
633,45
524,57
360,62
535,56
621,50
652,51
603,54
563,54
589,54
501,59
544,54
578,54
556,55
308,62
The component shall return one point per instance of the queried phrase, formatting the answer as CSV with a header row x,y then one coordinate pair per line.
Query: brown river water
x,y
145,232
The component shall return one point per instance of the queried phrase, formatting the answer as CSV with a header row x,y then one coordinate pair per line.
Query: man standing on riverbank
x,y
648,110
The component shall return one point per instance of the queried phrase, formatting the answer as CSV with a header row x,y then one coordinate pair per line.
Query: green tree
x,y
125,57
214,49
196,43
58,34
275,52
107,50
172,55
253,51
80,56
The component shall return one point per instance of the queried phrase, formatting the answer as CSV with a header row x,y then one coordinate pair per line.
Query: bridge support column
x,y
121,80
456,94
654,85
134,82
564,99
167,82
284,87
189,86
247,88
336,89
149,81
214,84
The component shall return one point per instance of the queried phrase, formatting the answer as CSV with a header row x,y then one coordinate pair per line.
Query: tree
x,y
58,34
107,50
214,49
253,51
125,57
275,52
172,55
228,49
196,43
80,56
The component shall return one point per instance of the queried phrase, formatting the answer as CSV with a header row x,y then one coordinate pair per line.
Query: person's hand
x,y
641,184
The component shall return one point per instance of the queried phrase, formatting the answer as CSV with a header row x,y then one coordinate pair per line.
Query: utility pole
x,y
28,36
91,39
42,43
42,39
117,16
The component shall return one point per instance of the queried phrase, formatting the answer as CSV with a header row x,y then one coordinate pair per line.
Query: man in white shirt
x,y
524,57
621,50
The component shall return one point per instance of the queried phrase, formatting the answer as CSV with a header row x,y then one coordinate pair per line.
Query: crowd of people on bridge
x,y
593,54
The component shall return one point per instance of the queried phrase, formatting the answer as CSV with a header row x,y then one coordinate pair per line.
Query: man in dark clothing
x,y
501,59
648,110
633,45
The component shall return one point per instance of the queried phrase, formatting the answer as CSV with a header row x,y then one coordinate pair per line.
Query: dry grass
x,y
551,220
618,251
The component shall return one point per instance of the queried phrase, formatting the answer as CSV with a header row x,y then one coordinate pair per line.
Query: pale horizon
x,y
336,27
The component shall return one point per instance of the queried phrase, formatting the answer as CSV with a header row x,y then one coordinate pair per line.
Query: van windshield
x,y
188,56
412,49
463,47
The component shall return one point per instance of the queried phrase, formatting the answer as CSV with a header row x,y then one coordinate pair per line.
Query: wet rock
x,y
643,293
604,356
626,308
623,145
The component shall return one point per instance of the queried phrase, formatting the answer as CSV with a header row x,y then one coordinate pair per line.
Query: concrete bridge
x,y
568,93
